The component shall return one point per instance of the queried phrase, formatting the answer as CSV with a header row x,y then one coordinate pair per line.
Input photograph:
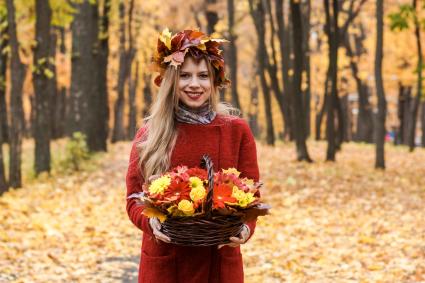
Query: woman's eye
x,y
204,76
184,76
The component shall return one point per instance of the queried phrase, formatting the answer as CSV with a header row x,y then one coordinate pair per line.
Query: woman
x,y
186,121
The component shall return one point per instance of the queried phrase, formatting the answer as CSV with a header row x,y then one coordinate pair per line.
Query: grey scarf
x,y
202,115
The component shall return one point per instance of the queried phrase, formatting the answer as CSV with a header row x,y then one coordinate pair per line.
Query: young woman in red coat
x,y
186,121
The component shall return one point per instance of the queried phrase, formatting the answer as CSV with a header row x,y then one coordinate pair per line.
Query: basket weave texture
x,y
205,230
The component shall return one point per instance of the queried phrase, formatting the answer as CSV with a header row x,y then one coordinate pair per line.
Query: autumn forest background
x,y
332,91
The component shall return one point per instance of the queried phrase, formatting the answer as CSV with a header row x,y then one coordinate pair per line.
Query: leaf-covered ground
x,y
330,222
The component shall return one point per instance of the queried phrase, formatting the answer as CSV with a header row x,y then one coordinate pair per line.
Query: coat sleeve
x,y
247,164
134,181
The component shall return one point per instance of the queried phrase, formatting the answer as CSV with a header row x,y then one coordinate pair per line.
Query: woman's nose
x,y
194,82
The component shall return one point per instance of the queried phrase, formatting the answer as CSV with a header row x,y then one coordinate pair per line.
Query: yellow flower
x,y
197,193
159,185
196,182
232,171
238,194
186,207
243,198
249,198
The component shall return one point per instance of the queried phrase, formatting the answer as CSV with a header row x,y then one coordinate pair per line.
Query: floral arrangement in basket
x,y
200,208
182,192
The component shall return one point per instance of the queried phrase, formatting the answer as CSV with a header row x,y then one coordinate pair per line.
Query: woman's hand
x,y
156,229
236,241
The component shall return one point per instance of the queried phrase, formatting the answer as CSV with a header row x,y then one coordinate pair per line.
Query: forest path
x,y
330,222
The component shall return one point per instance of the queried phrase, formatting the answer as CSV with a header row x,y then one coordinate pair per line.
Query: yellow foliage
x,y
326,218
151,212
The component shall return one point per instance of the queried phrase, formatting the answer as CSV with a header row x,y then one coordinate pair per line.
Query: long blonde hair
x,y
156,146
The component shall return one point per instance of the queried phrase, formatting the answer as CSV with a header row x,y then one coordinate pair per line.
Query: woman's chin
x,y
193,103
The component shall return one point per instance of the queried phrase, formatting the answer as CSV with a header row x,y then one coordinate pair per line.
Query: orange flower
x,y
177,191
222,194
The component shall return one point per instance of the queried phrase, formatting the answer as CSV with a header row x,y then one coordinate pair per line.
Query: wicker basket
x,y
208,230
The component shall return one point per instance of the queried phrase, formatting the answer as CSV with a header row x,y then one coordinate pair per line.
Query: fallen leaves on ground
x,y
330,222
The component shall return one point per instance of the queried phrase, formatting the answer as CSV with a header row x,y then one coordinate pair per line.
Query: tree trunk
x,y
60,112
94,121
258,15
407,106
297,102
382,104
132,116
147,95
364,130
84,72
211,16
346,110
3,183
17,74
118,133
232,54
253,106
423,124
272,69
118,130
398,133
321,113
342,124
253,114
102,117
403,108
33,110
332,31
3,67
285,57
415,106
42,65
3,109
306,10
52,88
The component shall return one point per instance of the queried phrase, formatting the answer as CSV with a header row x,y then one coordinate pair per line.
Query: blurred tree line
x,y
86,64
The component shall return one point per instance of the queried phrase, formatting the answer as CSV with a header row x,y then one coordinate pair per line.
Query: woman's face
x,y
194,86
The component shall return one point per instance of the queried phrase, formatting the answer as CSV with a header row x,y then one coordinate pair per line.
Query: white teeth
x,y
193,93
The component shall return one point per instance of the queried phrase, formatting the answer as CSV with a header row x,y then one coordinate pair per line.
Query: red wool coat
x,y
229,143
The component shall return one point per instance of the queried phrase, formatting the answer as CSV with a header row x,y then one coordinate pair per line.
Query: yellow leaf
x,y
374,267
48,73
367,240
165,37
151,212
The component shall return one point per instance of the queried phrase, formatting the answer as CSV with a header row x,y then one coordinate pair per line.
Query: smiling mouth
x,y
193,94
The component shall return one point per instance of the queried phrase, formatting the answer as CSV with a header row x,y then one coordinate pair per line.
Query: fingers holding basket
x,y
156,229
241,239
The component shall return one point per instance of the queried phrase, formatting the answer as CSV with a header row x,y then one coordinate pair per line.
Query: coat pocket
x,y
231,269
157,269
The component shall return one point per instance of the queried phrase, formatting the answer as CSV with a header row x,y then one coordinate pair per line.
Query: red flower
x,y
179,174
198,172
222,194
177,190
